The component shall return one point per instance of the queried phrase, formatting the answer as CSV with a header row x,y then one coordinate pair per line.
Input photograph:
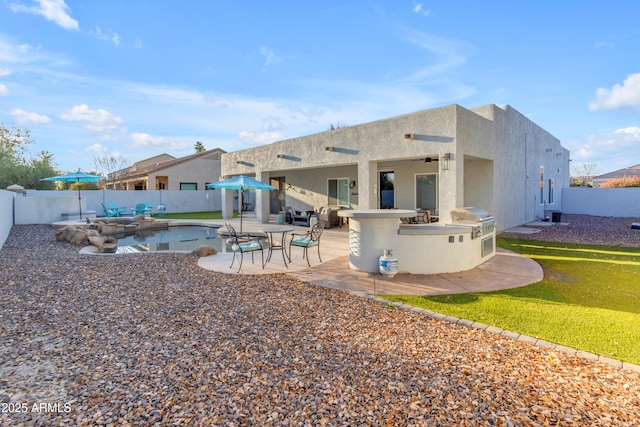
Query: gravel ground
x,y
587,229
151,339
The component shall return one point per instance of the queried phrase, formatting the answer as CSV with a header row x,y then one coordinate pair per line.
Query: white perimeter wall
x,y
618,202
46,207
6,215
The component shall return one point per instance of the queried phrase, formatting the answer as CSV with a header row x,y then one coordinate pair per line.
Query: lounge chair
x,y
140,209
243,244
121,210
307,240
110,212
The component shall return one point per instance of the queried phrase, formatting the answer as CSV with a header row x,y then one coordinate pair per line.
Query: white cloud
x,y
52,10
97,149
95,120
28,118
4,91
269,56
610,151
419,9
259,138
604,44
109,36
4,72
157,143
270,131
626,95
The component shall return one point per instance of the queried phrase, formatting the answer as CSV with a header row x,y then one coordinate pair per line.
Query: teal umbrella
x,y
242,183
76,177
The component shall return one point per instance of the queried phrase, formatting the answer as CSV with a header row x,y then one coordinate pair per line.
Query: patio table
x,y
274,245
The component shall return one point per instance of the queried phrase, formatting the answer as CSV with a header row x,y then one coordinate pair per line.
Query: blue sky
x,y
146,77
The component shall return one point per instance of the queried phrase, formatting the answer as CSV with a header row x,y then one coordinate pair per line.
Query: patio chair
x,y
307,240
243,244
109,212
121,210
140,209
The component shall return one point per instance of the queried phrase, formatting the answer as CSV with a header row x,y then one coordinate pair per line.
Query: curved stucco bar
x,y
420,249
370,233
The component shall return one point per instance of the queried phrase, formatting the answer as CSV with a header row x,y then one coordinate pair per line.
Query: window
x,y
188,186
541,185
426,191
551,188
338,191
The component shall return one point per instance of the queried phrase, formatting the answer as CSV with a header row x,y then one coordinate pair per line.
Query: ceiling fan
x,y
426,160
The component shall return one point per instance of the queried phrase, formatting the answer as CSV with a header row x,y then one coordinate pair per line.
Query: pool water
x,y
176,238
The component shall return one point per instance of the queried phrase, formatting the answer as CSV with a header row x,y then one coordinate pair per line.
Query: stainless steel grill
x,y
481,221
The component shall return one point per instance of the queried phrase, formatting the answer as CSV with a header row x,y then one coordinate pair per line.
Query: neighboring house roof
x,y
140,170
620,173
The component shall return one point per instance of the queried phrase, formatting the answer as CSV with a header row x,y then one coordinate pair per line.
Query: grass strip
x,y
589,299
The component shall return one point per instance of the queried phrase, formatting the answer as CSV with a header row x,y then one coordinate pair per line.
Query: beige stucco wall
x,y
201,171
497,153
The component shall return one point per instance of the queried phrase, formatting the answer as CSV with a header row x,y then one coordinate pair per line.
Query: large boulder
x,y
98,241
78,236
110,245
62,234
204,250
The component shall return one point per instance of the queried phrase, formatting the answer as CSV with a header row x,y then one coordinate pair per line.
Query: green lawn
x,y
589,299
195,215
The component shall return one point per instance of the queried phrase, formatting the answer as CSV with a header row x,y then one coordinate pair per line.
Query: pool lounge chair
x,y
109,212
140,209
121,210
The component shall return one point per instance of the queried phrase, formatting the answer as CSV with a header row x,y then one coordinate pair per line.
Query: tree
x,y
582,176
199,147
16,165
109,163
338,126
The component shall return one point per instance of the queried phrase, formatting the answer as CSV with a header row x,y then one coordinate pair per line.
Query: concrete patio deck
x,y
505,270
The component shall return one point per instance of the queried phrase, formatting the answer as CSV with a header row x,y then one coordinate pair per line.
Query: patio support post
x,y
227,203
367,197
262,199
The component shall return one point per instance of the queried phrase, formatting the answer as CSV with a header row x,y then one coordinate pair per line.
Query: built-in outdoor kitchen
x,y
464,243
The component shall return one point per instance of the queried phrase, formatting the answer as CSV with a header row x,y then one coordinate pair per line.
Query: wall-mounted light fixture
x,y
446,161
329,148
409,135
352,184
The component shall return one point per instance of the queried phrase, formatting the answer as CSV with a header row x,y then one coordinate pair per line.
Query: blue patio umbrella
x,y
76,177
242,182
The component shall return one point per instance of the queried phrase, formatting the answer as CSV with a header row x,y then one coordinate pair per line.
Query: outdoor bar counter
x,y
419,248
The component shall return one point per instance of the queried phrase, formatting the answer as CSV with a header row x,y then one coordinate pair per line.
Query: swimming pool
x,y
175,238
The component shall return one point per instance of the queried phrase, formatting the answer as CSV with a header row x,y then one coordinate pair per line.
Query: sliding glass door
x,y
427,191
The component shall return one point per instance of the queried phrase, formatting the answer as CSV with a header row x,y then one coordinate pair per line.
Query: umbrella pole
x,y
79,201
240,209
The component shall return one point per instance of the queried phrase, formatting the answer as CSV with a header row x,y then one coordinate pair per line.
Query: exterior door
x,y
387,186
277,197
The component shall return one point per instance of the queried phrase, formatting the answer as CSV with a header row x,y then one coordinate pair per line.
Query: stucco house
x,y
490,157
165,172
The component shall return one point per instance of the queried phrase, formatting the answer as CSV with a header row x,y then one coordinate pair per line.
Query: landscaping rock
x,y
141,340
204,250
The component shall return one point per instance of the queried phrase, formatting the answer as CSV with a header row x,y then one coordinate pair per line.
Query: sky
x,y
135,79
